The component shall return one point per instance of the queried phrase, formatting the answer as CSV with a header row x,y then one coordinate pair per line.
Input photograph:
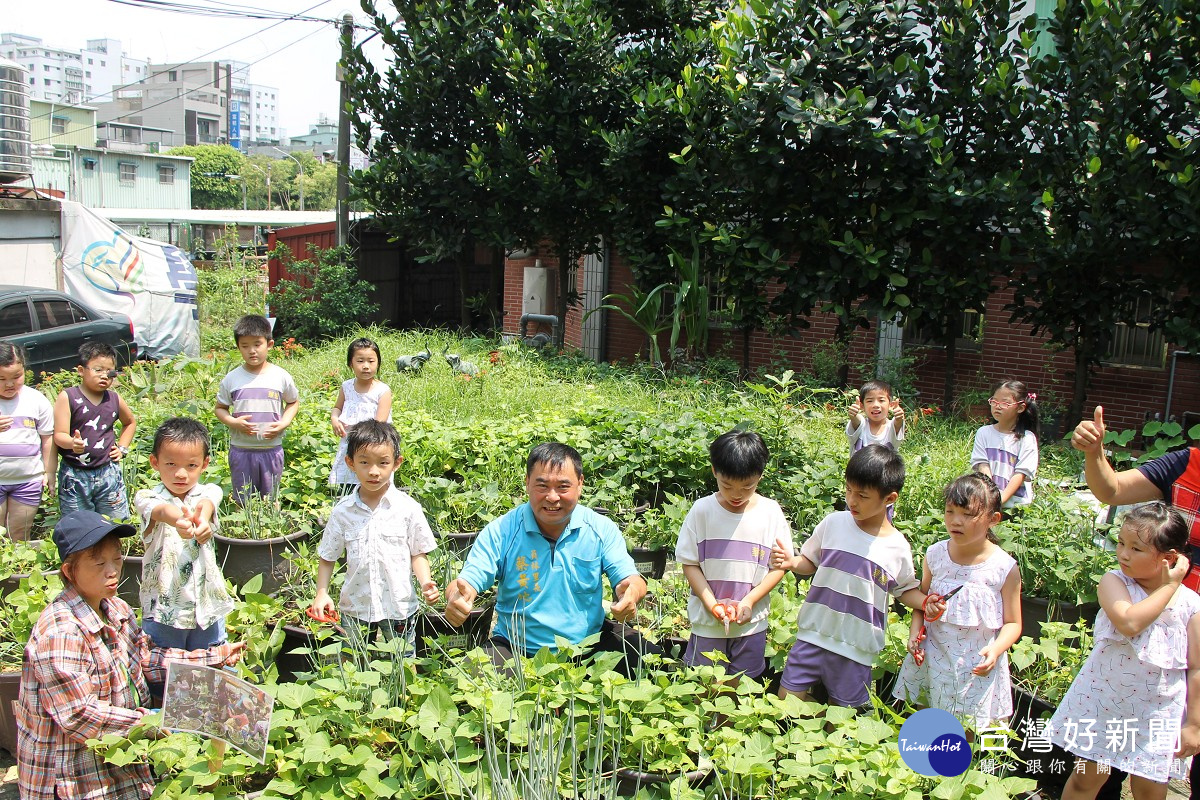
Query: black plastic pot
x,y
674,647
650,563
242,559
289,662
474,631
458,543
130,587
1035,610
10,685
630,780
1034,764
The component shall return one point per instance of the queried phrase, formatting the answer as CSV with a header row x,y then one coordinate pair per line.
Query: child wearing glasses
x,y
958,643
1007,451
85,418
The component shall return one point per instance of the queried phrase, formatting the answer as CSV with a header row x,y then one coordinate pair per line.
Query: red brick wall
x,y
1008,350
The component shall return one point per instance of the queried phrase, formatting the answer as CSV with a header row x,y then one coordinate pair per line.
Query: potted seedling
x,y
18,614
254,539
19,559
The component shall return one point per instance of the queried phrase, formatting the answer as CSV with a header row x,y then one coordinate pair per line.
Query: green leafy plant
x,y
1046,667
324,297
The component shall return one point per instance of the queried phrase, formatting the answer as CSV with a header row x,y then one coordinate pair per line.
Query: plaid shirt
x,y
82,679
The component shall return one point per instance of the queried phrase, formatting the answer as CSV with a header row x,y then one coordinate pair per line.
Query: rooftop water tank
x,y
16,162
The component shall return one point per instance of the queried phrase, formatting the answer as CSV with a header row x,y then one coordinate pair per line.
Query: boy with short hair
x,y
183,596
257,401
385,538
89,474
725,549
860,561
868,418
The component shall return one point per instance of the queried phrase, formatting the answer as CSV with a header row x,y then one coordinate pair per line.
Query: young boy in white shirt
x,y
385,537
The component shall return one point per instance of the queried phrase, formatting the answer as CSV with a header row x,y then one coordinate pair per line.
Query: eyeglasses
x,y
1001,404
112,373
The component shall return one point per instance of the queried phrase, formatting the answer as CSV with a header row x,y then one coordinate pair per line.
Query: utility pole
x,y
343,146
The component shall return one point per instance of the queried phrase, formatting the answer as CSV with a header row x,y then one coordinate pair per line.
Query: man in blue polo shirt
x,y
546,558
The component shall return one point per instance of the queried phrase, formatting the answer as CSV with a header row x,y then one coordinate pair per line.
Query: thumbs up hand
x,y
77,442
1089,434
201,528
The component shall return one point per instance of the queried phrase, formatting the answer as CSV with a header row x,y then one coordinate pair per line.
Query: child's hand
x,y
854,411
243,424
897,412
339,428
201,528
184,525
1089,434
114,453
1189,741
780,557
77,443
990,654
270,430
322,605
934,606
5,423
1176,569
431,593
744,611
915,644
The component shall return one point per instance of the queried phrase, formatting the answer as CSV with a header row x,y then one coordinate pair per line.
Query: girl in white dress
x,y
1129,707
961,665
360,398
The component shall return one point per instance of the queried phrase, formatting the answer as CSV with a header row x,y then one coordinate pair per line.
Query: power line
x,y
229,11
189,91
112,92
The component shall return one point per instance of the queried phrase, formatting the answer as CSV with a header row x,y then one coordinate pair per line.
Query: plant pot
x,y
1026,708
630,780
623,516
650,562
1035,610
130,587
289,662
458,543
13,582
10,686
242,559
474,631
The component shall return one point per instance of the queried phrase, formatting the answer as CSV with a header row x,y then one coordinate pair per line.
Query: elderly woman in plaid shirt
x,y
85,673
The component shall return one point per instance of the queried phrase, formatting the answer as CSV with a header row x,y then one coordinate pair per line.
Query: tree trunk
x,y
465,260
564,296
746,333
841,337
951,344
497,292
1083,375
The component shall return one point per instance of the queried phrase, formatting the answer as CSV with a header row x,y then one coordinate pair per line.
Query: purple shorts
x,y
845,680
27,494
258,469
745,654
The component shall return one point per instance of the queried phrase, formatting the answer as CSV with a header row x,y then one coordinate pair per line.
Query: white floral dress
x,y
973,618
1127,704
356,408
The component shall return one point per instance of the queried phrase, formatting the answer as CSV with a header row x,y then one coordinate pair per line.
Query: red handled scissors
x,y
919,656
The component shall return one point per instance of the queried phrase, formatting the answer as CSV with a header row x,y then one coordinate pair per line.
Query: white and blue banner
x,y
152,283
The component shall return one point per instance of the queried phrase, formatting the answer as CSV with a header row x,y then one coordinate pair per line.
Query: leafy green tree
x,y
1114,158
446,173
974,202
216,173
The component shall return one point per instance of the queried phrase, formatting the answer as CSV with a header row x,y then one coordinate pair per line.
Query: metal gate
x,y
595,283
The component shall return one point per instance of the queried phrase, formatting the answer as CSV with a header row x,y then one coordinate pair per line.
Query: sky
x,y
304,72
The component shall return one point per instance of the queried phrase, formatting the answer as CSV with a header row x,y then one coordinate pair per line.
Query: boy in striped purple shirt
x,y
725,549
257,401
858,561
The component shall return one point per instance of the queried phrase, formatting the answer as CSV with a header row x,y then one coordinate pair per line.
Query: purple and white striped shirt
x,y
21,445
261,397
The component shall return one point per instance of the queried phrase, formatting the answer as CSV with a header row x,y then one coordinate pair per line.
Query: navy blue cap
x,y
79,530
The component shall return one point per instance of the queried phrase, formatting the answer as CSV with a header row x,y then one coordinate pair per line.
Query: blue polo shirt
x,y
548,589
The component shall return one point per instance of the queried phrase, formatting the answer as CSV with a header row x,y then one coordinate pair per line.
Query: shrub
x,y
323,299
233,284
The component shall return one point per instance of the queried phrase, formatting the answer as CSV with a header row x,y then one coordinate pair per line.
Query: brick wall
x,y
1008,350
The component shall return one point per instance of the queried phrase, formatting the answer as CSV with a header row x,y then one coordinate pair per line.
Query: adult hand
x,y
232,651
460,600
628,593
77,443
1089,434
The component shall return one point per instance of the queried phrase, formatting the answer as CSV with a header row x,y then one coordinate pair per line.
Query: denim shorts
x,y
184,638
101,490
